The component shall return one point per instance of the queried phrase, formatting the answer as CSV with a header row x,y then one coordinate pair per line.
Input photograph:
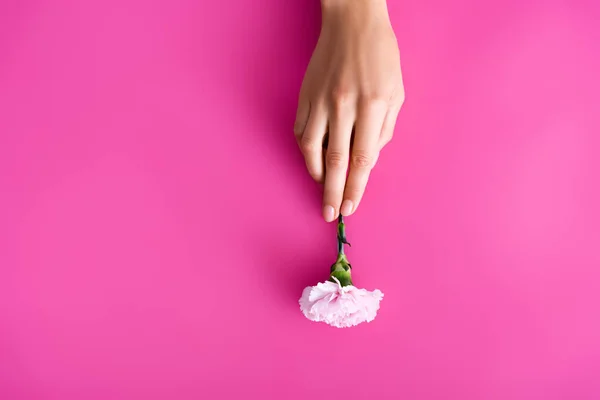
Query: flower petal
x,y
339,306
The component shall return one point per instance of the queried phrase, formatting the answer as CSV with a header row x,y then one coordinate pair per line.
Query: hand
x,y
349,100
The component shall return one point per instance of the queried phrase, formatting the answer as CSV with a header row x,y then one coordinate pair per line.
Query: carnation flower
x,y
337,301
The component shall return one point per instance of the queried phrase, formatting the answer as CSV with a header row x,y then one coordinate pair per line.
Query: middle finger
x,y
336,162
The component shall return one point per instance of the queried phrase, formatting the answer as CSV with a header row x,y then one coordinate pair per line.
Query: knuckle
x,y
335,159
361,160
340,96
376,99
308,146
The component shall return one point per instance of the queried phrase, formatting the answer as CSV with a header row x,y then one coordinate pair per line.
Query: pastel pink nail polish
x,y
328,213
347,207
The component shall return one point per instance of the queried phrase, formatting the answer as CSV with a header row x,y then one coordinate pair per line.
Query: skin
x,y
349,100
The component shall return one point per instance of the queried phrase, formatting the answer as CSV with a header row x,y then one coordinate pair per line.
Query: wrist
x,y
333,4
354,11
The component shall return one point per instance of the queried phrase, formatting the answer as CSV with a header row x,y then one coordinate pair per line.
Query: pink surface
x,y
157,226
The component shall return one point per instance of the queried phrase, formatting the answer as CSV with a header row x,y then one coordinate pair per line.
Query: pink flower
x,y
339,306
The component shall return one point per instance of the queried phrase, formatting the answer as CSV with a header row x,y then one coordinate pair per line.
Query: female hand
x,y
349,100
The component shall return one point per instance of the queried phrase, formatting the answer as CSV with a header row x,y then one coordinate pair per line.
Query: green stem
x,y
340,244
341,270
341,235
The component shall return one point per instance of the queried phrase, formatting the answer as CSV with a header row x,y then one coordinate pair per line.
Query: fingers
x,y
311,142
374,128
365,148
336,162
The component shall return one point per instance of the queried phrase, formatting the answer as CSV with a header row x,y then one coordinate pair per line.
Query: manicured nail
x,y
347,207
328,212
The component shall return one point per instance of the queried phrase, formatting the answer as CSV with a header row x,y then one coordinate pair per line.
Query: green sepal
x,y
342,271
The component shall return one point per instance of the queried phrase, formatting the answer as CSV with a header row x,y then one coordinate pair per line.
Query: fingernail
x,y
328,212
347,207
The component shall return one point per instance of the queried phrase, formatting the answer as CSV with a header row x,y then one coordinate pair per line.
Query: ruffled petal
x,y
339,306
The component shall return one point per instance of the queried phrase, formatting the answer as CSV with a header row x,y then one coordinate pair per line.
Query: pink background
x,y
157,225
